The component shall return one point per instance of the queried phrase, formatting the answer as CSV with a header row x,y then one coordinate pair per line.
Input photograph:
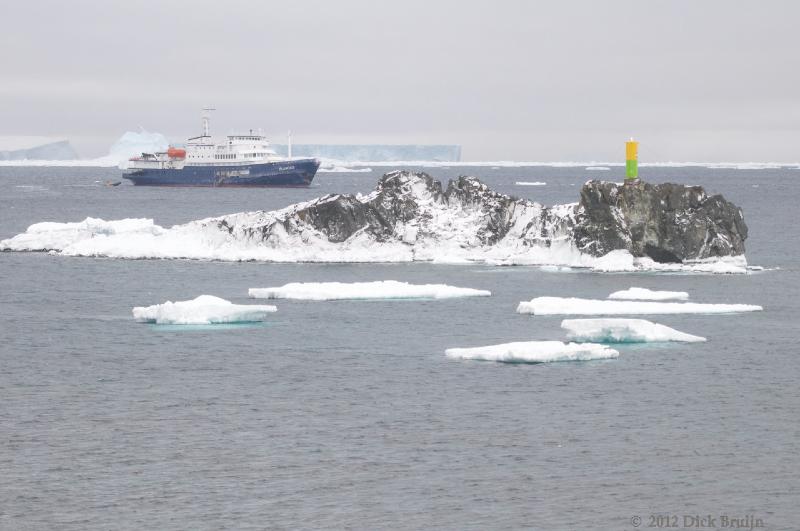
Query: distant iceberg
x,y
387,289
576,306
18,150
623,331
530,183
205,309
133,144
387,153
644,294
597,168
534,352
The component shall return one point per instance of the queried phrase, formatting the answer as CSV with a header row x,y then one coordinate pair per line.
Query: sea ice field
x,y
349,414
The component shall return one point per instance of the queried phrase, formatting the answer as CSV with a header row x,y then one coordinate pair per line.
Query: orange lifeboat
x,y
176,153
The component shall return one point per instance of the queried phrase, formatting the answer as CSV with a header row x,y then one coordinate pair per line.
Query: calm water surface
x,y
348,415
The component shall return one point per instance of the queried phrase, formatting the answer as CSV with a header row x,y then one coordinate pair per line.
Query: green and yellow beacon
x,y
631,162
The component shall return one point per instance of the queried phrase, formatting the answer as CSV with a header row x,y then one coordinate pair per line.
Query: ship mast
x,y
206,116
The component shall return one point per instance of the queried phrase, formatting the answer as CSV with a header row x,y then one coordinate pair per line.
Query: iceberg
x,y
644,294
576,306
597,168
133,144
530,183
205,309
534,352
21,149
387,289
623,331
61,154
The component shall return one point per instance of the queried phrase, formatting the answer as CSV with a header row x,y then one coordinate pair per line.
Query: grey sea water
x,y
348,414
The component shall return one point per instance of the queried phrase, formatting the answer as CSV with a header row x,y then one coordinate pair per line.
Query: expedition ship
x,y
240,160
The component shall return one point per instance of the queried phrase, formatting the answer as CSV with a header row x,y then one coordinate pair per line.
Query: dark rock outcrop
x,y
404,199
666,222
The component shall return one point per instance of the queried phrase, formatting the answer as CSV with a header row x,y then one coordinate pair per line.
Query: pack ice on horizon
x,y
239,160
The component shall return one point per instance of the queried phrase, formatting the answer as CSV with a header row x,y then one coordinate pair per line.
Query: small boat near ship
x,y
239,160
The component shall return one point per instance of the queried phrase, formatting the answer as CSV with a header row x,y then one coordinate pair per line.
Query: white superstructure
x,y
203,150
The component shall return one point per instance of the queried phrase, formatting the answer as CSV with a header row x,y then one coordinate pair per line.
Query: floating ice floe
x,y
623,331
387,289
205,309
597,168
530,183
576,306
644,294
534,352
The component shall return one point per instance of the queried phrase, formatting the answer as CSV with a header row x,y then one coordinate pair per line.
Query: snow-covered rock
x,y
205,309
387,289
408,217
576,306
534,352
623,331
644,294
666,222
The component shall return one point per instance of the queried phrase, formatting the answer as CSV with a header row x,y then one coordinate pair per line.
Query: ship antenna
x,y
206,116
289,140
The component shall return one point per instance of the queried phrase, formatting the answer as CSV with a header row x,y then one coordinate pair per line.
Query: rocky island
x,y
411,216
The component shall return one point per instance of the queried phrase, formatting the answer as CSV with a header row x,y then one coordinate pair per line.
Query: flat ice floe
x,y
644,294
387,289
205,309
623,331
576,306
534,352
530,183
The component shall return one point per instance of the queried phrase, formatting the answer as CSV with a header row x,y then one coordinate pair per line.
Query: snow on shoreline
x,y
534,352
623,331
387,289
141,238
205,309
577,306
644,294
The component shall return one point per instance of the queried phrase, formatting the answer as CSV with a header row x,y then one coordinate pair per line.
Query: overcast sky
x,y
508,80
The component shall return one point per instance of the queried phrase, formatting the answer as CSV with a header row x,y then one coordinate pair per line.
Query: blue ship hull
x,y
282,173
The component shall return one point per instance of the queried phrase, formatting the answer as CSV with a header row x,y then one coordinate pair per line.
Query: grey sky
x,y
555,80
